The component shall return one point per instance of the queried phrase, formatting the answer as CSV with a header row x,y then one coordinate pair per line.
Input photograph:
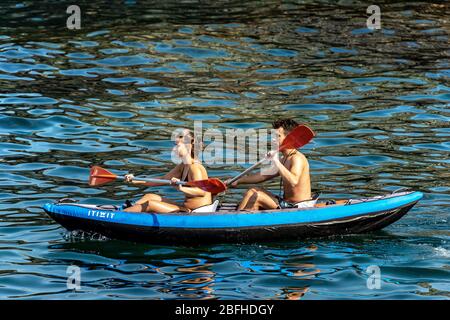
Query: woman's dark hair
x,y
196,145
287,124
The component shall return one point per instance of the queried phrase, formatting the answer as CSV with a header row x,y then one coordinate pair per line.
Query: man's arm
x,y
292,176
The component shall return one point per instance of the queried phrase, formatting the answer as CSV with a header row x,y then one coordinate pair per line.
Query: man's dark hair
x,y
287,124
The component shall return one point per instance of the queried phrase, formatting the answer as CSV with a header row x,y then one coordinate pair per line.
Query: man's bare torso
x,y
302,191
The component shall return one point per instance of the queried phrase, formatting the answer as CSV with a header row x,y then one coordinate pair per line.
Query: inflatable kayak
x,y
228,225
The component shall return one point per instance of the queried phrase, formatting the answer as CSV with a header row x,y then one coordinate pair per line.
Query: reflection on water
x,y
112,93
198,281
295,293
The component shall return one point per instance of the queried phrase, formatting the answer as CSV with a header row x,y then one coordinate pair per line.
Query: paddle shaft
x,y
143,179
246,171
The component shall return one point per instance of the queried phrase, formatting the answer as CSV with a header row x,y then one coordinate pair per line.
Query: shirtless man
x,y
293,168
189,169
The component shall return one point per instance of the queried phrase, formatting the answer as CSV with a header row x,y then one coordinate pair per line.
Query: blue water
x,y
112,93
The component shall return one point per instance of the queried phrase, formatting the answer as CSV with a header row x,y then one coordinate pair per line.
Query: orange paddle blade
x,y
297,138
212,185
99,176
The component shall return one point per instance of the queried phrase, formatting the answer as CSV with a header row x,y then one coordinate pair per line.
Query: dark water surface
x,y
112,93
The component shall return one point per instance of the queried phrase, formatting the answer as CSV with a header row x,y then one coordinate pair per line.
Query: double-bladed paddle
x,y
295,139
99,176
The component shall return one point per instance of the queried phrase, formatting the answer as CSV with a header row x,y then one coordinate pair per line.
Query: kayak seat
x,y
209,208
227,207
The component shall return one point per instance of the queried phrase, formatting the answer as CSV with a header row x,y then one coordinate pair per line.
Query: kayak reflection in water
x,y
190,169
293,169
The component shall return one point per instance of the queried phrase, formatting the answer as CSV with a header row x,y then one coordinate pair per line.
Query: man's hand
x,y
273,156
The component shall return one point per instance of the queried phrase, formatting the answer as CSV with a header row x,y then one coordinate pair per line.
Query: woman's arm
x,y
174,173
193,191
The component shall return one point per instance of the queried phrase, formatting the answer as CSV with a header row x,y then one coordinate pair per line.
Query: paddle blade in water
x,y
297,138
212,185
99,176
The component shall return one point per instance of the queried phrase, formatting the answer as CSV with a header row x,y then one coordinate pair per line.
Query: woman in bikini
x,y
190,169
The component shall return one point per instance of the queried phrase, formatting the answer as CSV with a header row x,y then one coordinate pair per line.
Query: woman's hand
x,y
129,178
174,182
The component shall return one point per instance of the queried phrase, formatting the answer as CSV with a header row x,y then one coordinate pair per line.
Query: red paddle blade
x,y
297,138
99,176
212,185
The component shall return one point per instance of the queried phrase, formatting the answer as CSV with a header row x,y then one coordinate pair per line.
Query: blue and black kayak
x,y
228,225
